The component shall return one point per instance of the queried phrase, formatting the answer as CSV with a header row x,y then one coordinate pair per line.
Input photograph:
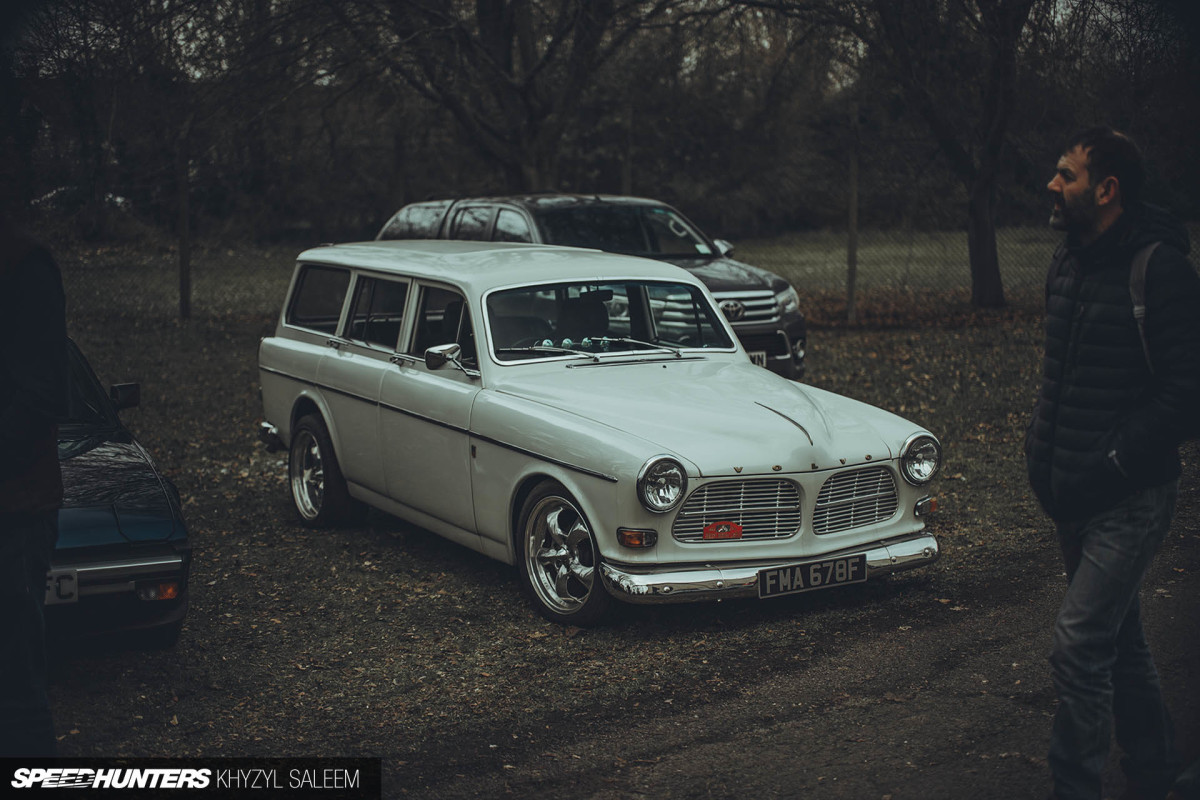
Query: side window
x,y
511,227
378,312
471,223
317,300
443,318
416,221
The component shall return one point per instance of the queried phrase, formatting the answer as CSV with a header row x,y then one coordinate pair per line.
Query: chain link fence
x,y
921,275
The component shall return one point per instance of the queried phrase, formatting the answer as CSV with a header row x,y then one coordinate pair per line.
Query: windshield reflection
x,y
591,319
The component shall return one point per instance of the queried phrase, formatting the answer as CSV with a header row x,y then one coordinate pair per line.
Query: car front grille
x,y
755,306
855,498
764,508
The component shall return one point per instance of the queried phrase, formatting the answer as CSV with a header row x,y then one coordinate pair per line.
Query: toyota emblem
x,y
733,310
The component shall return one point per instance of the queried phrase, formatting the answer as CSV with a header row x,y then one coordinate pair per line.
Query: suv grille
x,y
757,305
765,508
854,499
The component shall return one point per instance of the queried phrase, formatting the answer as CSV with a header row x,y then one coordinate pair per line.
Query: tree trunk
x,y
182,167
987,290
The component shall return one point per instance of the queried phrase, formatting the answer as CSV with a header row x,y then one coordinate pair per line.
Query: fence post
x,y
852,221
185,233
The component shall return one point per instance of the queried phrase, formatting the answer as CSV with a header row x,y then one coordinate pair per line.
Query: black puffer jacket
x,y
33,374
1105,426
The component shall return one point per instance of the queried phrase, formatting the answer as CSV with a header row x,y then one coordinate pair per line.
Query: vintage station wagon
x,y
588,417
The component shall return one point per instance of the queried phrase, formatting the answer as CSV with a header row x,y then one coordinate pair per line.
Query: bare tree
x,y
511,72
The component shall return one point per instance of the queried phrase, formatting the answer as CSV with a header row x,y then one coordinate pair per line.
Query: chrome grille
x,y
760,305
855,498
765,508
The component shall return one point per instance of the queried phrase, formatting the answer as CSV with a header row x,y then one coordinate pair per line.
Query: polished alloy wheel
x,y
560,555
308,474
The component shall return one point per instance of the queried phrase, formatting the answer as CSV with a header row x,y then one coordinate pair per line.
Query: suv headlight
x,y
920,459
661,484
788,301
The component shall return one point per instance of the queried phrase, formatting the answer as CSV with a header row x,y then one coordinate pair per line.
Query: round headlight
x,y
920,459
661,484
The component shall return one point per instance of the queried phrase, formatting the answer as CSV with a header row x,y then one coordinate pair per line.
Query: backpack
x,y
1137,293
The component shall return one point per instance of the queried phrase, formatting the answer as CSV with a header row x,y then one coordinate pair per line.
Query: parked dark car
x,y
123,557
763,308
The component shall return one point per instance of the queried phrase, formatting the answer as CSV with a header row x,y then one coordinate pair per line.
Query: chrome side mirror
x,y
724,248
440,355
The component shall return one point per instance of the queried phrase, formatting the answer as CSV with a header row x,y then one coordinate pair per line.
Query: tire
x,y
559,560
318,490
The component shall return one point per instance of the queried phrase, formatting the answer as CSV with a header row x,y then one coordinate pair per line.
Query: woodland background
x,y
303,121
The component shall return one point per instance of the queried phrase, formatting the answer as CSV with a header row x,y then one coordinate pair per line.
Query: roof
x,y
554,200
480,266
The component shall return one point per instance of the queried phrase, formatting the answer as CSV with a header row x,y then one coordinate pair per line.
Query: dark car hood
x,y
727,275
112,494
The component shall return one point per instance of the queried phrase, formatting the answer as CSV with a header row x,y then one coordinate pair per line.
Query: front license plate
x,y
758,357
62,586
813,575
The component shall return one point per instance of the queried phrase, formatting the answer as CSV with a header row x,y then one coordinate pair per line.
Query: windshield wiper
x,y
545,348
678,352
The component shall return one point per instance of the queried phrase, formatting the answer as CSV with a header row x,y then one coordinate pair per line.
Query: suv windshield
x,y
591,319
633,230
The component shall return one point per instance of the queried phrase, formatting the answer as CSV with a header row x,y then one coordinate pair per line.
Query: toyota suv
x,y
762,307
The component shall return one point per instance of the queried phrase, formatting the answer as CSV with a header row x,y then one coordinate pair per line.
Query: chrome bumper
x,y
67,583
720,581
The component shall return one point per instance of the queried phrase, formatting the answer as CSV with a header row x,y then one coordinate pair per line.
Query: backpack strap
x,y
1137,293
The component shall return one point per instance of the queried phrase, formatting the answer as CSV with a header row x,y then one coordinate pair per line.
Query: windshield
x,y
633,230
87,404
587,320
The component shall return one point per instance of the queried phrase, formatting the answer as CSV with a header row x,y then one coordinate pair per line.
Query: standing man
x,y
1102,454
33,387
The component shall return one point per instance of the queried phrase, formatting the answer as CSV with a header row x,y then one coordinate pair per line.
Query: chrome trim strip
x,y
789,419
547,459
668,584
105,577
448,426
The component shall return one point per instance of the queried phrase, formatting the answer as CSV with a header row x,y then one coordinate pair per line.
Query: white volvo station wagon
x,y
588,417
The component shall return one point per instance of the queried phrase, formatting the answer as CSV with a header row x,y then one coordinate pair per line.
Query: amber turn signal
x,y
637,539
158,591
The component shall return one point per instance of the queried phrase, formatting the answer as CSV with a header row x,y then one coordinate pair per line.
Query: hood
x,y
727,275
751,419
112,494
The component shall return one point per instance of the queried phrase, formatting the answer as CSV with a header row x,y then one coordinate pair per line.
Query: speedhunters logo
x,y
83,778
263,779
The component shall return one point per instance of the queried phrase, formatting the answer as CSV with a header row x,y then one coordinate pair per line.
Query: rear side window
x,y
317,301
378,312
416,221
471,223
511,227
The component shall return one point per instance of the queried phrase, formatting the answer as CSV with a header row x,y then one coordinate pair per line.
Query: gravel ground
x,y
386,641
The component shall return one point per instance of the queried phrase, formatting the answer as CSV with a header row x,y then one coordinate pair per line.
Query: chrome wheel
x,y
307,469
560,556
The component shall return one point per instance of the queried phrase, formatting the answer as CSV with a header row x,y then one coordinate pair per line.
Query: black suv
x,y
762,307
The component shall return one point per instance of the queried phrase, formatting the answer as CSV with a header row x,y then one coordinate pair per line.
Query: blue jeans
x,y
26,541
1102,667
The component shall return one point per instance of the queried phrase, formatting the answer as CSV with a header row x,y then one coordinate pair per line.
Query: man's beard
x,y
1074,217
